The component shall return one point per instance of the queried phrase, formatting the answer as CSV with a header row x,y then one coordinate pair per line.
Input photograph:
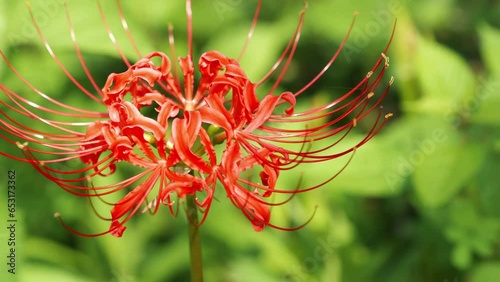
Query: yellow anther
x,y
170,145
388,115
21,146
371,94
386,60
149,138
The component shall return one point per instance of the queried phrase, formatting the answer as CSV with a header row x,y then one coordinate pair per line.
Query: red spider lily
x,y
175,147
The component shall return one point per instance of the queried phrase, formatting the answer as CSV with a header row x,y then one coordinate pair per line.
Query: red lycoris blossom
x,y
169,129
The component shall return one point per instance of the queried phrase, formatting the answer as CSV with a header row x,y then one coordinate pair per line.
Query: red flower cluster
x,y
160,123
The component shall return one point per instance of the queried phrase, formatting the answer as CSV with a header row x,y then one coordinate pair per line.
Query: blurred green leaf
x,y
486,102
167,260
244,271
45,273
461,256
90,31
486,272
469,232
445,78
488,192
437,13
56,253
482,247
442,172
50,80
490,40
488,93
374,162
3,28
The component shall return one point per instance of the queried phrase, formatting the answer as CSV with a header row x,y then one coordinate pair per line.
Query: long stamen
x,y
332,59
189,14
250,32
126,28
80,57
171,43
54,57
112,36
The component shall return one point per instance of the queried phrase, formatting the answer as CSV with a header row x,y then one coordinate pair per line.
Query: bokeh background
x,y
419,202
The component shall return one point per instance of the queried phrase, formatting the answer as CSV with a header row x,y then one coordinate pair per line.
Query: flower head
x,y
163,123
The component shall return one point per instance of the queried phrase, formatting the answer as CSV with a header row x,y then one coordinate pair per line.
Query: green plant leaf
x,y
486,272
490,40
485,103
445,78
90,31
45,273
488,191
446,170
3,24
461,256
370,172
488,92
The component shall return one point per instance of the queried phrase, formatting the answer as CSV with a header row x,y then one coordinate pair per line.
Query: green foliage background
x,y
419,202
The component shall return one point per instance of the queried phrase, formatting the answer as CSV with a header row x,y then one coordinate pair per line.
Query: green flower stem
x,y
194,240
